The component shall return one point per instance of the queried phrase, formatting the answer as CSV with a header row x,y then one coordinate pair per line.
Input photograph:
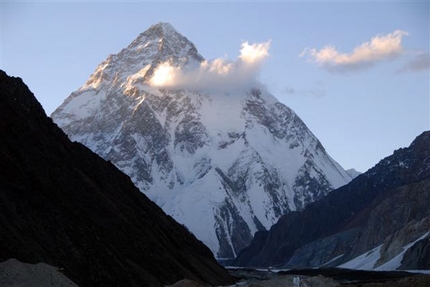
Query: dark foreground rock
x,y
14,273
63,205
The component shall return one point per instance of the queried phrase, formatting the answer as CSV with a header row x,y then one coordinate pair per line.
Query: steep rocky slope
x,y
385,208
224,162
63,205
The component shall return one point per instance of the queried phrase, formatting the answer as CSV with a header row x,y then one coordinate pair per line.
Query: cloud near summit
x,y
219,74
377,49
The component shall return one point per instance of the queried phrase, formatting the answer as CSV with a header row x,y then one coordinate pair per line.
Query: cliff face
x,y
63,205
392,223
418,256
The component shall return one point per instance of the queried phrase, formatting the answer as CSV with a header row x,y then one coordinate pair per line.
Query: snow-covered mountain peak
x,y
158,45
162,29
165,44
225,162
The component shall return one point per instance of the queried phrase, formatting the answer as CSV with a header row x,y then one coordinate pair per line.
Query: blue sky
x,y
361,104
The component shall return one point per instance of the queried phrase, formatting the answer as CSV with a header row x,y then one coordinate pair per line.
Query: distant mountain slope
x,y
63,205
353,173
370,211
224,162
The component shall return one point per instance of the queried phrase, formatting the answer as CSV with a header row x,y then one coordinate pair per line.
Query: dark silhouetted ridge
x,y
63,205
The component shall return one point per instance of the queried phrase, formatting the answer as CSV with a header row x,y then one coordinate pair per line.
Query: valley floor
x,y
14,273
328,278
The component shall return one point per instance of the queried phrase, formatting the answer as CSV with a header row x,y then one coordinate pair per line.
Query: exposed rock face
x,y
396,221
63,205
355,218
327,251
397,242
224,163
418,256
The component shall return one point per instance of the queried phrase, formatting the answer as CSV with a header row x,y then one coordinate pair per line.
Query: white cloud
x,y
164,75
218,74
254,54
377,49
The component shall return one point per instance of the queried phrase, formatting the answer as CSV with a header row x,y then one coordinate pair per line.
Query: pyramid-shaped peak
x,y
163,28
160,43
163,42
162,31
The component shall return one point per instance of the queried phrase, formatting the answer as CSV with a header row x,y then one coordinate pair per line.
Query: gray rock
x,y
14,273
418,256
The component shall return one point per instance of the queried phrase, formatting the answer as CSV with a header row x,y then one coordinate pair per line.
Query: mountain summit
x,y
161,43
167,44
226,164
